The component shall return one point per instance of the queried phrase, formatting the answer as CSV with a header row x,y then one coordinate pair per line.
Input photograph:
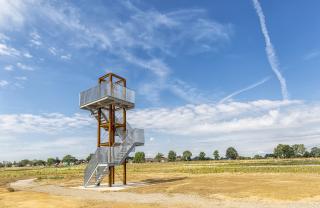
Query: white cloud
x,y
12,14
207,119
8,51
271,54
8,68
27,55
21,78
53,51
49,123
59,52
3,37
66,57
35,39
3,83
251,127
24,67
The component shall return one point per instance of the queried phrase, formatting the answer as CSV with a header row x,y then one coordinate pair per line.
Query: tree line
x,y
280,151
66,160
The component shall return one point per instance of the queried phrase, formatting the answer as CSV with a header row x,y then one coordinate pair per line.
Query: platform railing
x,y
105,89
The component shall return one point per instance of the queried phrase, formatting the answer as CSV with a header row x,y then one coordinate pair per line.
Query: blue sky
x,y
207,74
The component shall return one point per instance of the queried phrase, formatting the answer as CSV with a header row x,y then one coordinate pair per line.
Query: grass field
x,y
275,180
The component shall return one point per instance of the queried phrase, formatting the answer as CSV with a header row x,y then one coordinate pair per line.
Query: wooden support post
x,y
125,172
124,117
110,142
113,171
99,128
110,175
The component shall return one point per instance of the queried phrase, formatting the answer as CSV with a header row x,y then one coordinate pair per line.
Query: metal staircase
x,y
106,156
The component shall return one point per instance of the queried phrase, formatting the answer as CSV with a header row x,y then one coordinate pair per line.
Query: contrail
x,y
244,89
271,54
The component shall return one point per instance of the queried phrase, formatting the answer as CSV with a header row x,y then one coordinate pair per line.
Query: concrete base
x,y
115,187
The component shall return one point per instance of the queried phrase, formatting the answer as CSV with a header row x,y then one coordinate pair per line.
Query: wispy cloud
x,y
23,78
45,123
53,50
311,55
3,83
6,50
27,55
24,67
12,14
156,35
124,38
271,54
66,57
244,90
35,39
187,92
3,37
8,68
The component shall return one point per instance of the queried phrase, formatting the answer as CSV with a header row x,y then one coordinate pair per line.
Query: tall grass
x,y
192,167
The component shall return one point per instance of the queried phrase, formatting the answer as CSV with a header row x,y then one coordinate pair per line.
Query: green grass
x,y
192,167
237,166
13,174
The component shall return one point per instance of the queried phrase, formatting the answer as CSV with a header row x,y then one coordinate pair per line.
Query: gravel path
x,y
174,200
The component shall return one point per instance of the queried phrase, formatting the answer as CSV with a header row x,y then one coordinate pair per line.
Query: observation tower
x,y
109,102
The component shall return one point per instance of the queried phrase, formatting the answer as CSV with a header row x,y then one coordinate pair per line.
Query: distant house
x,y
149,159
179,158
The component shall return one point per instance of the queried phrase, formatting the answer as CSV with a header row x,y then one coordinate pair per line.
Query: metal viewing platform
x,y
106,93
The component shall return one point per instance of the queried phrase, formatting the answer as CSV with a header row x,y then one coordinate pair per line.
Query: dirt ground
x,y
177,190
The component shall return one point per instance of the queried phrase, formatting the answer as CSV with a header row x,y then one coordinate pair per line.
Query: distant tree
x,y
38,163
9,164
315,152
24,163
269,156
243,158
57,160
139,157
288,151
257,157
172,156
89,157
283,151
51,161
158,157
186,155
298,149
216,155
232,153
278,151
202,156
69,159
306,154
1,165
